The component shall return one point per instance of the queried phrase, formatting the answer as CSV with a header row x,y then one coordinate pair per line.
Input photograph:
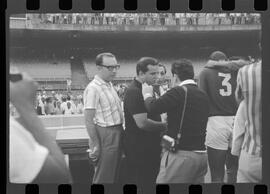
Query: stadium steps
x,y
78,75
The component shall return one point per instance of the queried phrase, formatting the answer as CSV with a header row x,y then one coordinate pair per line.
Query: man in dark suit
x,y
189,162
142,133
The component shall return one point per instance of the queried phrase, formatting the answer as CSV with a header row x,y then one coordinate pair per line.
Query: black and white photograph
x,y
135,98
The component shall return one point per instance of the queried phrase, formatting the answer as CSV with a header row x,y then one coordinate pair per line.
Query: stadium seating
x,y
39,66
39,69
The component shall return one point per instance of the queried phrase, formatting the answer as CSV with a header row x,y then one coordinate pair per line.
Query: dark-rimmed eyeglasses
x,y
111,67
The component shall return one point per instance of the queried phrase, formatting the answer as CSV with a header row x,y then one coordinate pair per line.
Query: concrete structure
x,y
20,23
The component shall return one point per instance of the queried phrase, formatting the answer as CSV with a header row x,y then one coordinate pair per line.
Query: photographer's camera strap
x,y
182,116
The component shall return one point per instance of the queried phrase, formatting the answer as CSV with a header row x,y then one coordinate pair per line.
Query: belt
x,y
118,125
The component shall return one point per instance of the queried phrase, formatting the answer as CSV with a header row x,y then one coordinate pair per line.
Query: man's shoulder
x,y
92,85
253,66
132,88
209,70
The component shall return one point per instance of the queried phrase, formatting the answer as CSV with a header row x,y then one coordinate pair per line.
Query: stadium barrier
x,y
56,122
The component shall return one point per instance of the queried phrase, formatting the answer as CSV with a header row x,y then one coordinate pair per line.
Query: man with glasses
x,y
104,119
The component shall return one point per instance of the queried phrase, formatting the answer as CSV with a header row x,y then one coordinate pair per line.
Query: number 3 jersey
x,y
219,84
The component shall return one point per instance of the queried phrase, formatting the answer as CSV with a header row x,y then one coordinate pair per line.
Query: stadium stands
x,y
42,65
43,70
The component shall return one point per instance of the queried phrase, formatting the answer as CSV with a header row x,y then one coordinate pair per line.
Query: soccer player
x,y
218,80
248,124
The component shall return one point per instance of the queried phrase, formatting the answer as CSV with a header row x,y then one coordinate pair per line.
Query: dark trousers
x,y
142,169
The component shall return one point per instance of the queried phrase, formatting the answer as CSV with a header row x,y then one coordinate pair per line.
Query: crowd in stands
x,y
156,19
63,102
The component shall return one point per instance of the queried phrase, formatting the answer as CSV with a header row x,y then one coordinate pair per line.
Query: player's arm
x,y
202,81
233,64
238,91
170,100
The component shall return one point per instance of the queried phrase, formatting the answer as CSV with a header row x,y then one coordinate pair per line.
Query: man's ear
x,y
98,67
141,74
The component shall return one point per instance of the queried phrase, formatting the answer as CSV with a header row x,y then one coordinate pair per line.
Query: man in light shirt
x,y
248,124
104,119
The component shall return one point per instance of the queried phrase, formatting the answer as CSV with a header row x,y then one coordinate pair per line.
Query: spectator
x,y
69,82
48,107
71,100
68,110
79,108
57,107
63,104
41,105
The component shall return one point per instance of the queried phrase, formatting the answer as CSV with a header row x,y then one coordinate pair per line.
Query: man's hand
x,y
23,92
94,154
147,91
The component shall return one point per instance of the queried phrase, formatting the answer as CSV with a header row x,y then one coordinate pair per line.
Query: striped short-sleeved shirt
x,y
102,97
249,84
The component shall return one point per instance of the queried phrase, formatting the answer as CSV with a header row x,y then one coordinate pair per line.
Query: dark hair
x,y
68,98
161,65
48,99
183,69
64,99
99,58
218,55
144,62
69,105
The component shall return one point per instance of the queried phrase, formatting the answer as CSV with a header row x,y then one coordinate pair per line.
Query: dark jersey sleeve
x,y
170,100
134,102
202,82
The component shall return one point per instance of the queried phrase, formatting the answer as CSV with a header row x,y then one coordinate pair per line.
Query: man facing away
x,y
218,80
142,133
103,119
188,163
247,139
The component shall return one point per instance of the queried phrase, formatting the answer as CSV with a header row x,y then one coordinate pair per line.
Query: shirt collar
x,y
137,83
187,81
101,81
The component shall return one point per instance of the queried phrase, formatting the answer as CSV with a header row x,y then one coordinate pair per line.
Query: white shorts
x,y
219,132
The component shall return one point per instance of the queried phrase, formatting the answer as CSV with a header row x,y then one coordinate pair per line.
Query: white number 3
x,y
225,83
